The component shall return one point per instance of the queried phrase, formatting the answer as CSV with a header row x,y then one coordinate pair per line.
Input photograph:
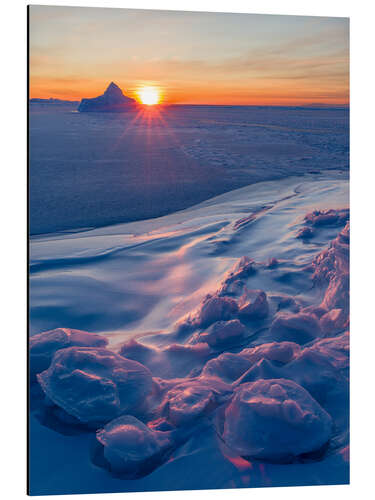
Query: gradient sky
x,y
198,58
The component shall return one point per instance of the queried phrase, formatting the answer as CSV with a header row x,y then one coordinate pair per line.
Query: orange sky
x,y
195,58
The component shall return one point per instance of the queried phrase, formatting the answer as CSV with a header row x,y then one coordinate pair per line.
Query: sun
x,y
149,95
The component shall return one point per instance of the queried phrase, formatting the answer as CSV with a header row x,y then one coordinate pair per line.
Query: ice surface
x,y
214,308
43,346
132,283
300,328
275,420
253,304
223,332
94,384
132,448
93,169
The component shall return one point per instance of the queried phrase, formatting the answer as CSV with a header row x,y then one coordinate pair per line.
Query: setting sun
x,y
149,96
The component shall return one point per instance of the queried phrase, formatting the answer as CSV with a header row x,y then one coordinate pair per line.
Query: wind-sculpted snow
x,y
239,362
233,281
322,218
275,420
95,385
331,269
328,217
174,360
43,346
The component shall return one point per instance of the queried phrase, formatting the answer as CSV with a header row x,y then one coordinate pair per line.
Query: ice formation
x,y
131,448
43,346
275,420
94,384
267,370
329,217
223,332
300,328
112,100
253,304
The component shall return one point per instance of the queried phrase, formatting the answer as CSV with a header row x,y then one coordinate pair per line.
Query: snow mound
x,y
223,332
275,420
131,448
43,346
242,269
331,269
300,328
95,385
253,305
329,217
305,233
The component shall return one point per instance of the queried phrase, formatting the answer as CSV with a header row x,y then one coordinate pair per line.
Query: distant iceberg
x,y
112,100
52,100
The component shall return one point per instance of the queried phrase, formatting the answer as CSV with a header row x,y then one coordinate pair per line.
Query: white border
x,y
13,246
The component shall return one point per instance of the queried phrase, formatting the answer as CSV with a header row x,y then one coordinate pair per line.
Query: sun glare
x,y
149,95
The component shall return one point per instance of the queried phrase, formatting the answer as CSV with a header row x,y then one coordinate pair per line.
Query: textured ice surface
x,y
300,328
275,420
43,345
132,448
223,332
94,384
133,283
93,169
253,304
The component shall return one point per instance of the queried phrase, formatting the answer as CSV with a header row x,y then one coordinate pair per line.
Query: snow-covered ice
x,y
210,340
95,385
275,420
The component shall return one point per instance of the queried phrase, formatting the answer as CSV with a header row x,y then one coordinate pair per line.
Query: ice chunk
x,y
223,332
43,346
333,321
305,233
300,328
228,367
253,304
275,420
187,403
131,448
329,217
331,269
174,360
244,268
282,352
323,368
95,384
